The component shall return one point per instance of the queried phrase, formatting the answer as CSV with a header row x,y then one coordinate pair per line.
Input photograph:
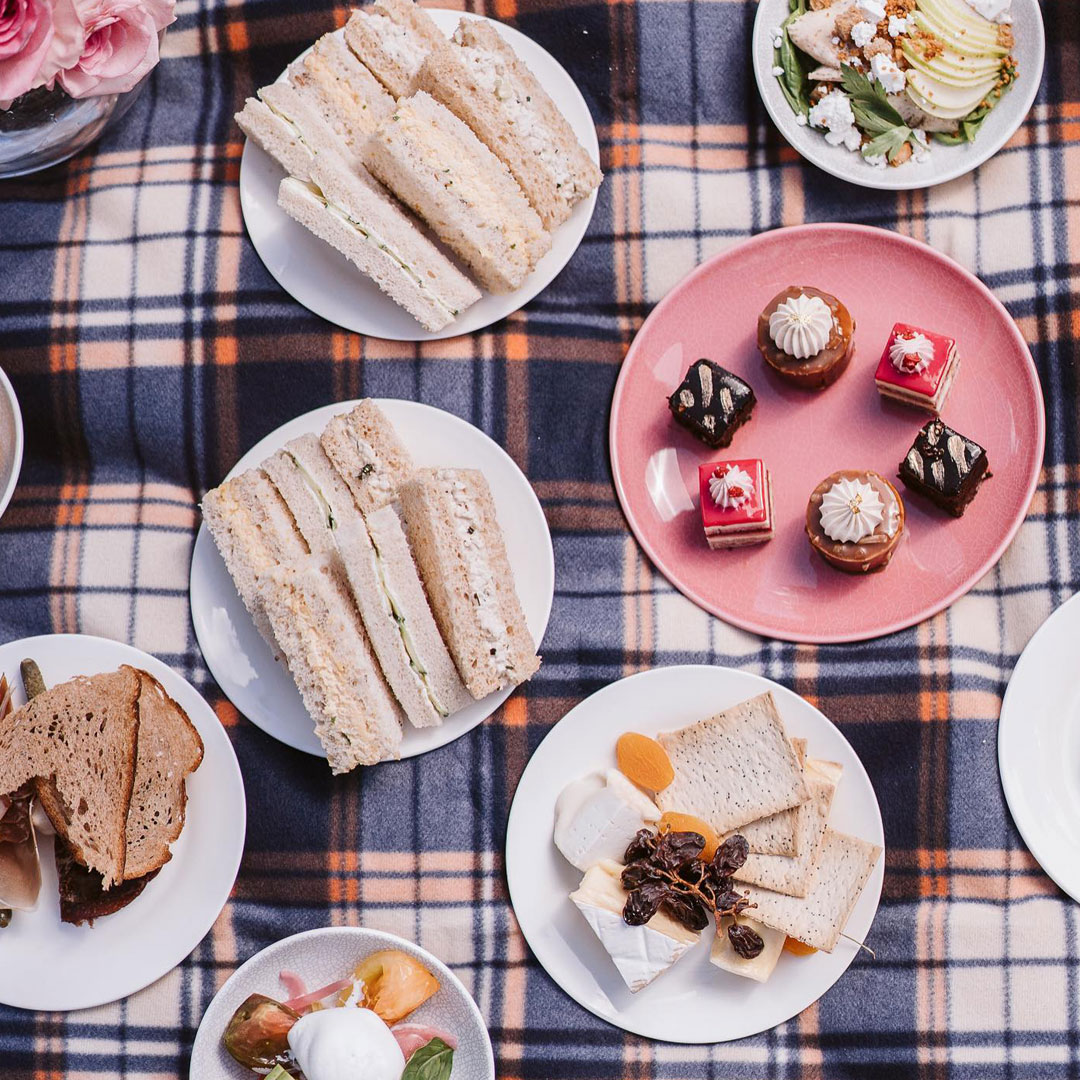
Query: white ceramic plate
x,y
11,440
692,1002
321,957
49,965
1039,747
324,281
946,162
241,661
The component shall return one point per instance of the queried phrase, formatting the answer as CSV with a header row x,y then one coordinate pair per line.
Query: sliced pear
x,y
961,43
940,68
945,102
958,18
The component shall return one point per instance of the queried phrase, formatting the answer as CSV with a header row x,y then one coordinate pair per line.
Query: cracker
x,y
818,919
795,876
733,768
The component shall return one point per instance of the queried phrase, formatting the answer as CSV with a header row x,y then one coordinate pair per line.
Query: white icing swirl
x,y
801,326
911,353
851,511
731,490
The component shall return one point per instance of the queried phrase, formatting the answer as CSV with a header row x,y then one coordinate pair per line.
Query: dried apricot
x,y
644,761
688,823
798,948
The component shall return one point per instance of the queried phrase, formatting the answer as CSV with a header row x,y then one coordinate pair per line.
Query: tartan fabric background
x,y
150,348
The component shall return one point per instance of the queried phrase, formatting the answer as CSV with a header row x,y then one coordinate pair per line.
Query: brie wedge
x,y
723,953
597,816
639,952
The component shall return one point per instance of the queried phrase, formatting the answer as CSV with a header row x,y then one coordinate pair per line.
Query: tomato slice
x,y
393,984
257,1034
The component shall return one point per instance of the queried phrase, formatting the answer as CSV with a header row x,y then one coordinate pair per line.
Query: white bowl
x,y
11,441
945,162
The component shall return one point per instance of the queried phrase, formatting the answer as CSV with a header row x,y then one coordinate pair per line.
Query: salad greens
x,y
433,1061
794,83
886,127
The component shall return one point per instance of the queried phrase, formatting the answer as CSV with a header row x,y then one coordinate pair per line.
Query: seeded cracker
x,y
733,768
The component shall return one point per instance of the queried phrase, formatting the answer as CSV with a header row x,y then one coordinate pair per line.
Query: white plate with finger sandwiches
x,y
694,854
371,581
417,175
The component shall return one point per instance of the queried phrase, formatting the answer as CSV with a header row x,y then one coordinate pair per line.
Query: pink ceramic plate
x,y
781,588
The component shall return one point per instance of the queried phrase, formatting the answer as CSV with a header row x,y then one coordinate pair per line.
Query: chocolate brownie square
x,y
712,403
945,466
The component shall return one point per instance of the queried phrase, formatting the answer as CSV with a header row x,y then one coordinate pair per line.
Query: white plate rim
x,y
770,14
314,421
516,860
215,740
1061,867
469,322
362,934
19,440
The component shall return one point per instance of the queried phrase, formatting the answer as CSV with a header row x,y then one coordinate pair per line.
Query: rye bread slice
x,y
79,743
82,898
170,749
734,767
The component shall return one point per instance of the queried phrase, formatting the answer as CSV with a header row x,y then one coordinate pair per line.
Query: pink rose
x,y
121,44
26,32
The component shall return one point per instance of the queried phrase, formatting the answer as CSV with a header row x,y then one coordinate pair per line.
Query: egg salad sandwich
x,y
393,37
450,520
348,210
351,99
374,558
254,531
435,164
481,80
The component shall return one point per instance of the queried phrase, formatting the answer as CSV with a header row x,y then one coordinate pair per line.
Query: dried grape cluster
x,y
664,870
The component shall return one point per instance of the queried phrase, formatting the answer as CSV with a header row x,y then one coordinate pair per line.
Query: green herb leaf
x,y
872,110
889,143
794,83
433,1061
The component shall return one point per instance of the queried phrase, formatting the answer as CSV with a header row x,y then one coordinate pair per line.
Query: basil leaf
x,y
433,1061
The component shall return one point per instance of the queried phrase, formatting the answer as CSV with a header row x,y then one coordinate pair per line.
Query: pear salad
x,y
885,78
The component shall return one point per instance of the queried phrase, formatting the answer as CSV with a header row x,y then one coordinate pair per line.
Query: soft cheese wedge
x,y
724,956
597,816
640,953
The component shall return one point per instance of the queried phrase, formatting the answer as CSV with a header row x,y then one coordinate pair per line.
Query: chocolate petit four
x,y
736,502
945,466
855,519
712,403
807,336
917,367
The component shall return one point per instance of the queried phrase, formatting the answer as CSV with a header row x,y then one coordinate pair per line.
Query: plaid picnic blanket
x,y
150,348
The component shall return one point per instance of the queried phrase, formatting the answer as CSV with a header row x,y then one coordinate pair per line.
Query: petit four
x,y
917,367
945,466
712,403
736,502
807,336
855,519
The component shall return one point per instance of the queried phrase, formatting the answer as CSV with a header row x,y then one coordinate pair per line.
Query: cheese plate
x,y
571,918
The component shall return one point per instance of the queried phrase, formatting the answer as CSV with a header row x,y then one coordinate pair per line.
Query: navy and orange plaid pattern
x,y
150,348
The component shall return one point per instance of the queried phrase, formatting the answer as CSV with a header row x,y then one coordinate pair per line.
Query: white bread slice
x,y
481,79
280,138
353,214
392,37
310,487
352,100
367,452
435,164
398,620
79,742
454,534
319,629
254,532
170,749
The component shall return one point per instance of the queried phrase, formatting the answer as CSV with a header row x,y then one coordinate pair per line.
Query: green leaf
x,y
278,1073
888,143
434,1061
794,83
872,110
